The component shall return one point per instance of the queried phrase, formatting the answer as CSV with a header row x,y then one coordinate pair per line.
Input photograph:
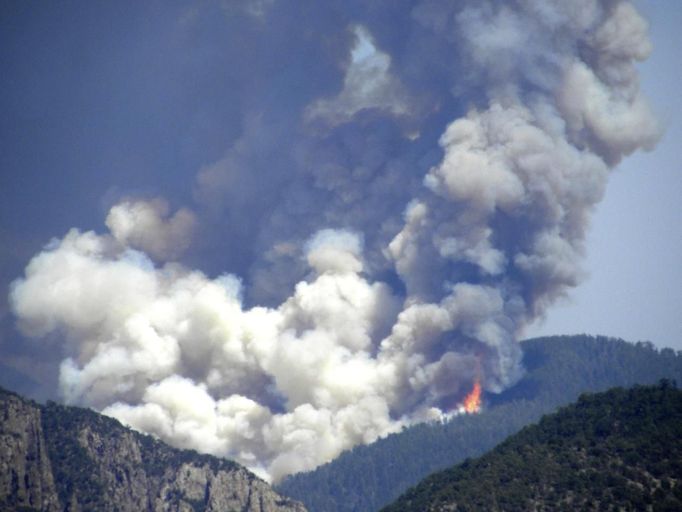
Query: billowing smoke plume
x,y
142,225
415,216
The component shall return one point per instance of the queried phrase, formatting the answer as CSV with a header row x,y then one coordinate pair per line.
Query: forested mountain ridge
x,y
558,368
618,450
55,458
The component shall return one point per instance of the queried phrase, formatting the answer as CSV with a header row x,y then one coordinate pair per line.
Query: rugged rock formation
x,y
25,473
57,458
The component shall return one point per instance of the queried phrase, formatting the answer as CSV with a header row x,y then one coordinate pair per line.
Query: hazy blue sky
x,y
634,249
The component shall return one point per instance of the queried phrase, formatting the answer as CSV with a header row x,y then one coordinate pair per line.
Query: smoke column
x,y
420,211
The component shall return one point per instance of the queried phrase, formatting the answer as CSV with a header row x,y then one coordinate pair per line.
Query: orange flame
x,y
472,402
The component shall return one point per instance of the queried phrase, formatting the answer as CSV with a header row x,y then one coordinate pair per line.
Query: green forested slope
x,y
619,450
559,369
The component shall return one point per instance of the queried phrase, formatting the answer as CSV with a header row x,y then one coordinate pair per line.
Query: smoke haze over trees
x,y
558,370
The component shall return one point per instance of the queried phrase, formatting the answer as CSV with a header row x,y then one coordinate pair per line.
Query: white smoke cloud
x,y
490,239
335,251
170,340
146,225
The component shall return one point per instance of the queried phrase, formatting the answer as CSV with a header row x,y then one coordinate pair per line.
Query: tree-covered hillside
x,y
619,450
559,369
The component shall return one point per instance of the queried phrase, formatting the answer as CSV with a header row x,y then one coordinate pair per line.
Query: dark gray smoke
x,y
411,187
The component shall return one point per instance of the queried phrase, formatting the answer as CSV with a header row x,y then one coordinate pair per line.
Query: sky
x,y
634,248
273,229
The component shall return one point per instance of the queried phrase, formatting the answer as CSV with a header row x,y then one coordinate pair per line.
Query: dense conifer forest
x,y
618,450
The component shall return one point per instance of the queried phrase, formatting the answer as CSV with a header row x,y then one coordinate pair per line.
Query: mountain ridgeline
x,y
55,458
559,369
618,450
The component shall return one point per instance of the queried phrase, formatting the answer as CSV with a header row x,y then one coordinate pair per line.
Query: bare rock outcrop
x,y
55,458
25,472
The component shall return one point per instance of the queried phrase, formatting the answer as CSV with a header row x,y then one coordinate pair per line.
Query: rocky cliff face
x,y
56,458
25,473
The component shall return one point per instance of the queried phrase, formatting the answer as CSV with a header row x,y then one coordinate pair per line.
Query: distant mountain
x,y
559,369
55,458
619,450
